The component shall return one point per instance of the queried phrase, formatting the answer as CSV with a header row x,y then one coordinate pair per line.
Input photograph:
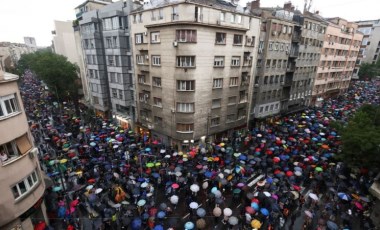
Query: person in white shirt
x,y
3,156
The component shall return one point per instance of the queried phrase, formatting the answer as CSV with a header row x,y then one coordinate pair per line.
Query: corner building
x,y
22,185
193,68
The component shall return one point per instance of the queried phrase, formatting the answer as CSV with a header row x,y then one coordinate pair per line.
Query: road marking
x,y
255,180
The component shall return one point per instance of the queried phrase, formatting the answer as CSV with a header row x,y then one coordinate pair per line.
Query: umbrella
x,y
308,213
193,205
255,206
201,224
158,227
267,194
136,224
264,211
141,203
256,224
249,210
189,225
313,196
332,225
217,211
343,196
194,188
359,205
161,214
201,212
57,188
98,190
174,199
227,212
233,220
175,185
164,206
295,195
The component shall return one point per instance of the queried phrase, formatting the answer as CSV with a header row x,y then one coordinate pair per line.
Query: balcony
x,y
296,37
291,68
294,53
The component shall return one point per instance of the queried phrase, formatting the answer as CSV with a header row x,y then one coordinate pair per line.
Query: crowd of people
x,y
279,175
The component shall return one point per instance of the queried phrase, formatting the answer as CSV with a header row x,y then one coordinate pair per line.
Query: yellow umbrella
x,y
79,172
185,156
158,163
180,153
255,224
221,144
63,161
355,196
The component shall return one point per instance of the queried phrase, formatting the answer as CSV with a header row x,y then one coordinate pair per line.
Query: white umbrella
x,y
217,211
162,150
267,194
144,185
221,175
218,194
313,196
233,220
178,173
89,187
205,185
228,171
194,188
141,203
116,175
308,213
227,212
98,190
167,156
193,205
174,199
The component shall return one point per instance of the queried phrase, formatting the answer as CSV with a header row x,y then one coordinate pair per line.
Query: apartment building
x,y
11,52
105,37
338,57
370,47
22,185
193,68
275,46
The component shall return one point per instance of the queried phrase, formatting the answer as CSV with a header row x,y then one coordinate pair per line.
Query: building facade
x,y
338,57
193,68
22,185
370,47
31,42
107,52
11,53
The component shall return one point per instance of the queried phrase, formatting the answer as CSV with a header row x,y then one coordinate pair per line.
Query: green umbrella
x,y
52,162
236,191
318,169
66,145
150,165
57,188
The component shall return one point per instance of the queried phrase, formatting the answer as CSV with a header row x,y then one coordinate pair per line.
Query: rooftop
x,y
8,77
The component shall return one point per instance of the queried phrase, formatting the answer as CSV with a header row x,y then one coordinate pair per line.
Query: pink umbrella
x,y
175,185
359,205
274,196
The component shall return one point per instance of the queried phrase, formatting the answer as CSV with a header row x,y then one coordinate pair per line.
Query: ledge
x,y
175,23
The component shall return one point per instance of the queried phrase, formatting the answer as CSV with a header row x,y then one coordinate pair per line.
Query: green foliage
x,y
361,138
369,71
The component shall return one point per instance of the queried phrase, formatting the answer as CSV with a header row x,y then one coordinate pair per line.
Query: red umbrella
x,y
74,203
250,210
277,171
175,185
91,181
40,226
155,142
153,211
297,188
269,152
71,155
289,173
359,205
255,200
276,159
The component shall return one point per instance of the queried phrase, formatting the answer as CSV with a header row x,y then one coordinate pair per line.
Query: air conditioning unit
x,y
145,33
147,57
256,85
282,83
173,110
274,33
175,43
218,22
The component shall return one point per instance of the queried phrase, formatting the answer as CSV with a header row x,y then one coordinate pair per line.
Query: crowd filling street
x,y
280,175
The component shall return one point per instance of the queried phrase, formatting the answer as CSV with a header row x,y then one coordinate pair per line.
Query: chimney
x,y
317,12
288,6
255,5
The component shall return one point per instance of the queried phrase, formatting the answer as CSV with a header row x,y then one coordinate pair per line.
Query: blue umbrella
x,y
158,227
140,179
208,174
243,157
264,211
255,206
155,175
57,188
189,225
61,212
343,196
136,224
161,214
147,150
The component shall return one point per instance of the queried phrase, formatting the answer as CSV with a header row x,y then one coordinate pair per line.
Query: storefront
x,y
123,122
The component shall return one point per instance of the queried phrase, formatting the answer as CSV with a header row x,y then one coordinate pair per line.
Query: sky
x,y
35,18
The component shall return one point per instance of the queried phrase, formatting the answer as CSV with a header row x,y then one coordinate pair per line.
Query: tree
x,y
369,71
361,138
60,75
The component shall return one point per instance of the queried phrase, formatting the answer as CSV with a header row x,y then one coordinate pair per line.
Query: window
x,y
185,128
161,13
114,93
238,19
220,38
284,29
234,81
94,87
215,121
17,147
156,60
26,185
232,18
289,30
139,38
186,35
158,120
219,61
241,113
235,61
185,107
156,81
232,100
243,97
185,61
217,83
175,15
155,37
185,85
238,39
95,100
141,79
117,60
216,103
111,61
250,41
121,94
144,96
8,105
157,102
230,118
222,17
